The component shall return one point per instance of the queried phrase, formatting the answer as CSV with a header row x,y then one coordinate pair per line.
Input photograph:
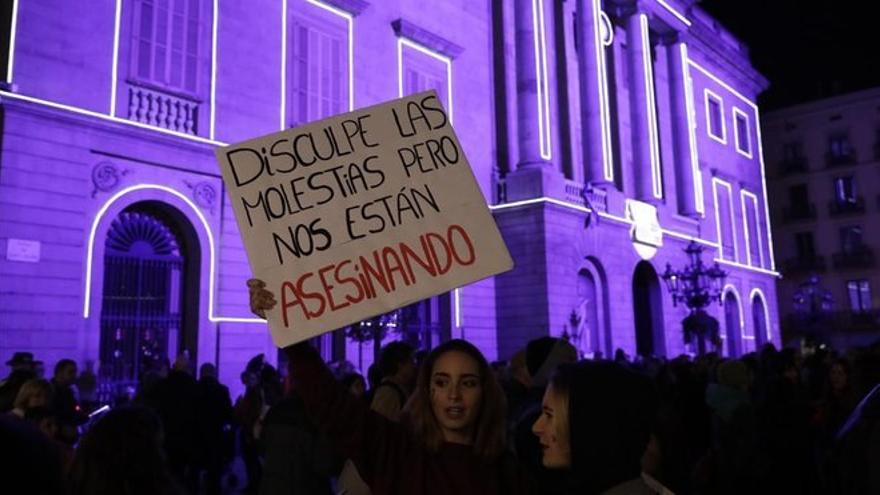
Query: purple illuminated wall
x,y
104,108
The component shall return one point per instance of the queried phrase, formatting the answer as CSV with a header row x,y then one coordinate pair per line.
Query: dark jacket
x,y
298,458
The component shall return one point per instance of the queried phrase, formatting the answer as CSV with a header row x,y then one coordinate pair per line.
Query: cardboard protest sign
x,y
359,214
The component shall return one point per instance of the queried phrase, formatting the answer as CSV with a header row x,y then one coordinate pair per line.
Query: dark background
x,y
807,49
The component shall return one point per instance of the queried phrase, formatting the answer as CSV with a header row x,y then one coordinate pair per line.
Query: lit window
x,y
422,72
318,69
845,190
724,218
859,295
166,43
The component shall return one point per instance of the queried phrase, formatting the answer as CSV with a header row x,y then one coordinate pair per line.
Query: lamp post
x,y
696,285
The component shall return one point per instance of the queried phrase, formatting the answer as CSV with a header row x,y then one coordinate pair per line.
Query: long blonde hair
x,y
29,390
488,440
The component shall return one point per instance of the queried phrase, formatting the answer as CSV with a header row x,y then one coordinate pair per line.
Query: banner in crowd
x,y
359,214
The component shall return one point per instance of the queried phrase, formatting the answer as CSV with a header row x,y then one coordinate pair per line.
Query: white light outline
x,y
213,90
730,288
114,69
707,95
760,294
103,116
716,181
403,41
349,18
674,12
12,33
572,206
736,137
653,136
208,232
754,108
754,199
602,78
543,99
699,199
609,26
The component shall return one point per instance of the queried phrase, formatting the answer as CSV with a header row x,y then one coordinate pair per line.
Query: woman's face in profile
x,y
456,395
553,420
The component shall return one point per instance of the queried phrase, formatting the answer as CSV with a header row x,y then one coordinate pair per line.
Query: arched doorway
x,y
732,323
584,321
759,319
148,311
648,309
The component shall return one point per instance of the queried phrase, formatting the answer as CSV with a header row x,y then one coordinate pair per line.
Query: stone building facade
x,y
605,136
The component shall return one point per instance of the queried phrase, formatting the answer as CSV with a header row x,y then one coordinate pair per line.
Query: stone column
x,y
596,139
641,80
686,169
535,174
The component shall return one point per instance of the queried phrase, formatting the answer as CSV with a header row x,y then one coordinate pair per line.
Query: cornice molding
x,y
407,29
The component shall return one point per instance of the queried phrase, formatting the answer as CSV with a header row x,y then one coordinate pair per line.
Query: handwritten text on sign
x,y
359,214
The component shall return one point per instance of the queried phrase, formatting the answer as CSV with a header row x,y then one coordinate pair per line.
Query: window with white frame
x,y
724,219
752,228
742,132
422,71
715,117
859,292
166,36
318,66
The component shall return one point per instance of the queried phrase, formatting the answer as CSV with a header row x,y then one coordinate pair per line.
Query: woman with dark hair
x,y
596,424
450,438
122,455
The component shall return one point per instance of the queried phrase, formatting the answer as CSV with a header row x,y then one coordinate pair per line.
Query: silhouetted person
x,y
29,461
175,398
65,402
22,364
122,455
214,420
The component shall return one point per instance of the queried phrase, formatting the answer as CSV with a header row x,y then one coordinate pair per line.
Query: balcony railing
x,y
799,212
840,159
862,257
803,264
838,207
793,165
163,109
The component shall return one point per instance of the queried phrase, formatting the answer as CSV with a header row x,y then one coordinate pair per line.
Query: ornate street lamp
x,y
696,285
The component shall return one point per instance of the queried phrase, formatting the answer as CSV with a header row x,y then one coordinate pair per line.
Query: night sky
x,y
808,50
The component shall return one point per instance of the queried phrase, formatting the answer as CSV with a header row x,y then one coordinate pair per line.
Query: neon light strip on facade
x,y
115,64
754,198
541,79
12,33
674,12
653,141
708,94
211,249
745,217
213,103
757,293
748,139
602,76
715,182
692,132
754,108
401,42
90,113
349,19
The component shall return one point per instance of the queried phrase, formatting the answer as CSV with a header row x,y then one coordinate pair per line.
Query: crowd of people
x,y
449,422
